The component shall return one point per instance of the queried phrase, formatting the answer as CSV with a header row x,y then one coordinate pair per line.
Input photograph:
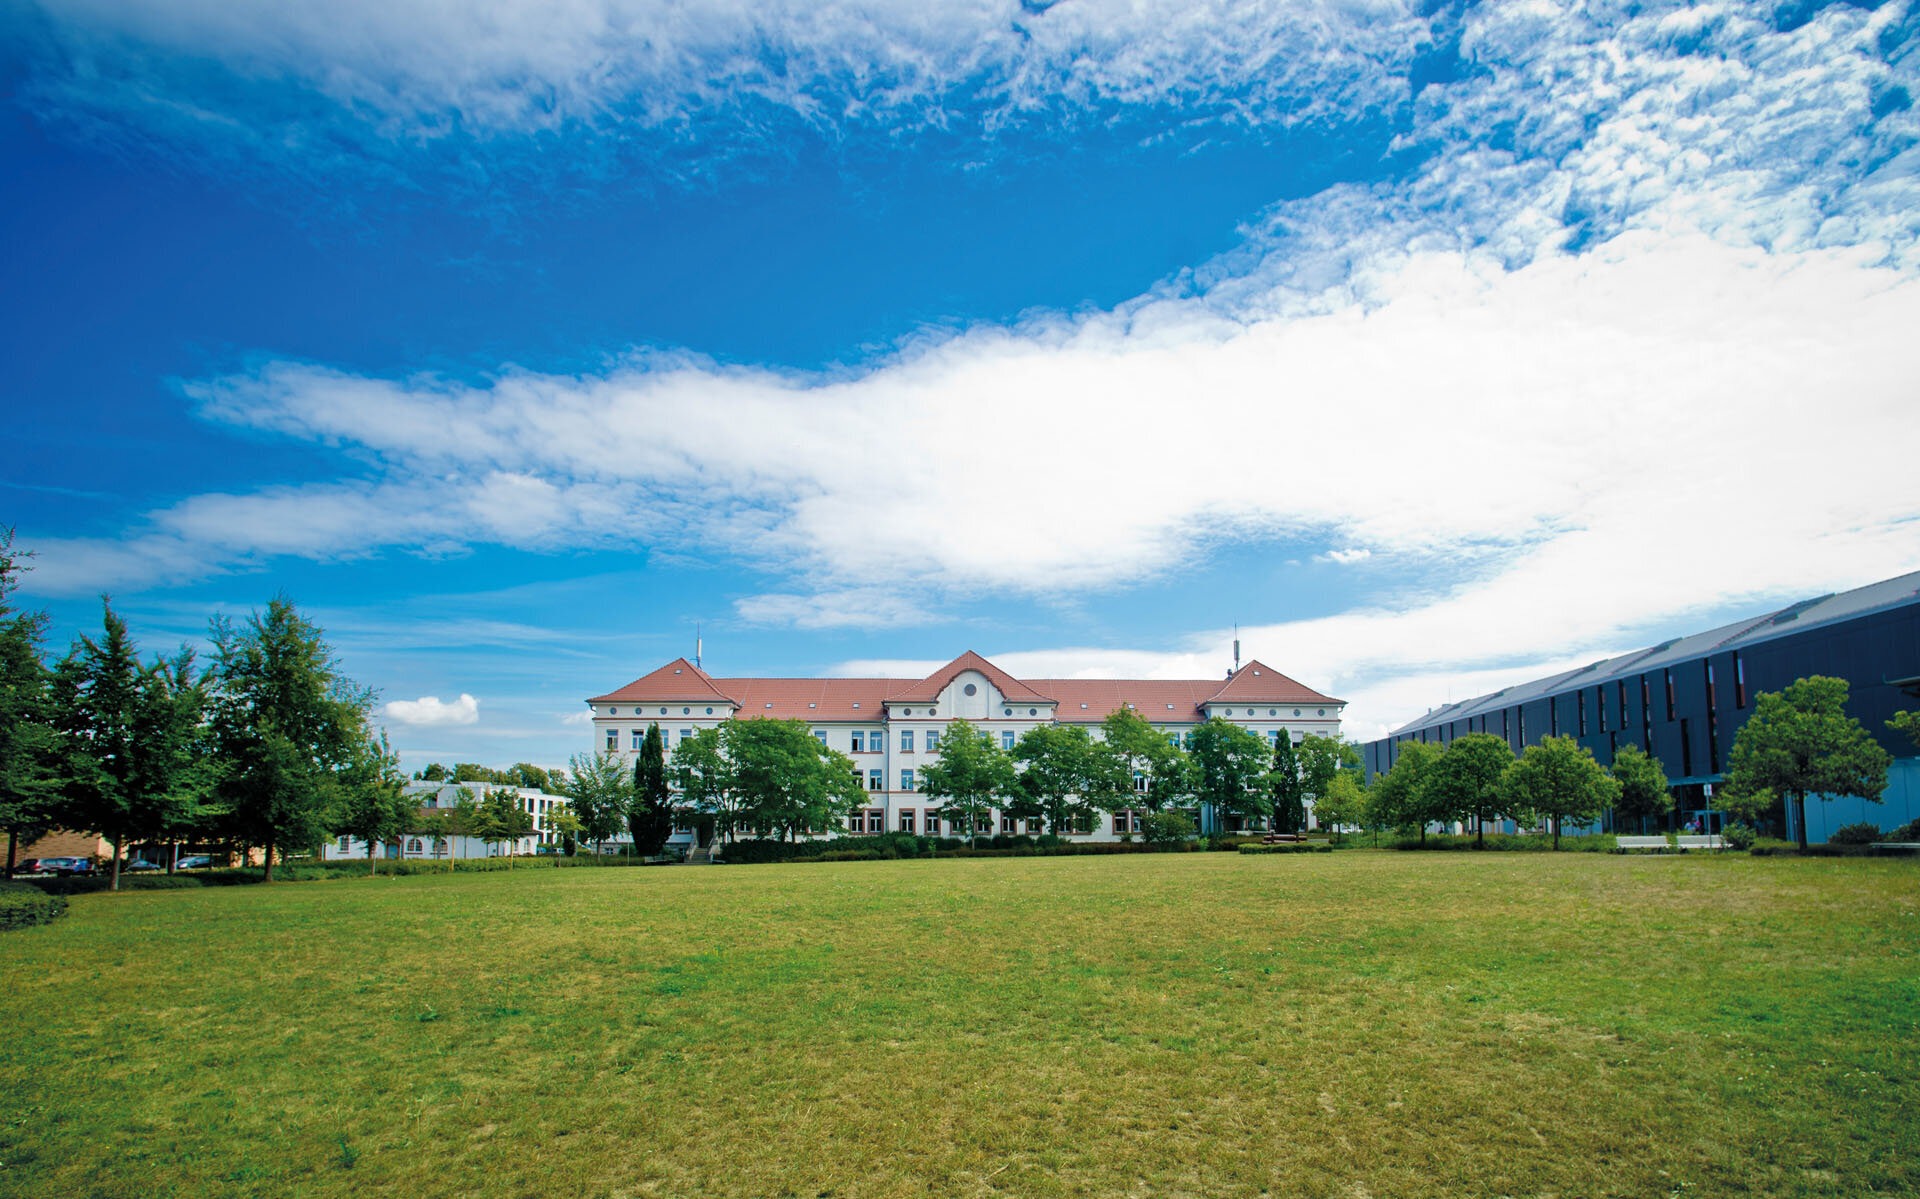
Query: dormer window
x,y
813,705
676,670
856,703
1083,707
769,705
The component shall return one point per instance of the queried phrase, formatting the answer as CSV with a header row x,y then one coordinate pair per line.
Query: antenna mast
x,y
696,645
1236,650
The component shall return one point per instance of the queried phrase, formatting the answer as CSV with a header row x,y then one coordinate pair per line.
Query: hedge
x,y
23,905
1287,847
1509,843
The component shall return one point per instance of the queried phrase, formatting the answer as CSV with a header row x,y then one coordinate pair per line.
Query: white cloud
x,y
1345,557
581,717
428,711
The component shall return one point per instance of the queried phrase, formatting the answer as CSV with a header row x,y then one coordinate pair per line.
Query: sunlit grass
x,y
1204,1024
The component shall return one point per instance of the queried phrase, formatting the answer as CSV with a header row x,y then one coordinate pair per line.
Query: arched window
x,y
413,845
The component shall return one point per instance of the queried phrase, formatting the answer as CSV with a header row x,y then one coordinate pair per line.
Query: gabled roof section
x,y
928,690
1258,683
679,682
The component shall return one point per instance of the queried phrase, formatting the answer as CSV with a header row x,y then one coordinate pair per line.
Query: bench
x,y
1715,841
1281,839
1641,843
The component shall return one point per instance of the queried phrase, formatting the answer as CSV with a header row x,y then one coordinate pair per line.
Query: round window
x,y
1033,711
1296,711
613,711
1273,711
933,711
906,711
663,711
1006,711
1249,711
1323,711
709,711
686,711
970,689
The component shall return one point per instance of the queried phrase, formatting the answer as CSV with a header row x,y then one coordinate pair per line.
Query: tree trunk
x,y
173,856
1479,832
12,848
370,870
1556,834
115,886
1803,820
269,877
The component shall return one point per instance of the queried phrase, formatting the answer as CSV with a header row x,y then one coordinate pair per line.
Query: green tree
x,y
434,773
177,762
1342,802
30,778
1908,723
1321,760
1230,769
1166,828
699,773
1287,789
601,793
1397,799
502,818
1558,779
786,778
971,776
651,817
1643,786
1465,781
286,722
1139,748
562,821
374,804
1059,766
1801,742
526,774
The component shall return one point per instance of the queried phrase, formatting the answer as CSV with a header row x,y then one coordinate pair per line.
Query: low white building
x,y
537,804
891,727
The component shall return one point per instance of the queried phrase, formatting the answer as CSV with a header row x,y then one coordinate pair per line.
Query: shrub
x,y
1166,828
1287,847
1863,833
1739,836
23,905
1910,831
1510,843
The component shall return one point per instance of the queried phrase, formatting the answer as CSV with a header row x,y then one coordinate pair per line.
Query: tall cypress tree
x,y
1289,793
651,817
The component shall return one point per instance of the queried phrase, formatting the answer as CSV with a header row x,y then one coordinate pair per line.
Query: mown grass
x,y
1200,1024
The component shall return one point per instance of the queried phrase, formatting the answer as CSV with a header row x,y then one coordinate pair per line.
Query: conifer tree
x,y
651,817
1289,793
29,779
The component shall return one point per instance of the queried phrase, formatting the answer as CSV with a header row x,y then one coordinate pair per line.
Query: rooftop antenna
x,y
1236,650
696,645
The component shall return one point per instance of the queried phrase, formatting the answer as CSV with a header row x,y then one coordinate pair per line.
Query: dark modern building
x,y
1684,700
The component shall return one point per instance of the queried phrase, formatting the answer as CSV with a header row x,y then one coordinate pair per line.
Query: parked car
x,y
32,866
198,861
142,864
66,866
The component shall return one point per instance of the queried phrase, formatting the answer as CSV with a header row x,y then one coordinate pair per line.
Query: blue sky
x,y
1436,346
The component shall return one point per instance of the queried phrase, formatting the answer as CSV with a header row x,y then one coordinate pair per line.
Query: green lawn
x,y
1351,1024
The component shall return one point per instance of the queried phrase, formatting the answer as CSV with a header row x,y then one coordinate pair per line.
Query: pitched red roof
x,y
815,699
679,682
1258,683
928,689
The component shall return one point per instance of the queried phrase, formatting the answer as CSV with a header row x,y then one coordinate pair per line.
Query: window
x,y
346,843
1668,673
1033,711
1006,711
1581,699
636,738
684,735
822,734
933,740
1646,702
613,740
1006,739
877,741
970,689
933,822
1139,780
1739,681
874,781
1710,689
1600,705
859,742
906,816
1123,822
413,846
1553,716
1007,825
876,821
906,741
906,780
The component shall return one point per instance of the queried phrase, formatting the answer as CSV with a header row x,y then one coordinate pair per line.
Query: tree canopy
x,y
1800,742
1061,769
785,778
971,775
1558,779
1464,781
1643,785
1398,797
1230,769
651,817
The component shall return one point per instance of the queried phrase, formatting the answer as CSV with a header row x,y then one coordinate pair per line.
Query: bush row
x,y
1507,843
22,905
1288,847
888,846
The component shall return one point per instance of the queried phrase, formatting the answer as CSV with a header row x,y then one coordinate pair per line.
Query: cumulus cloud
x,y
429,712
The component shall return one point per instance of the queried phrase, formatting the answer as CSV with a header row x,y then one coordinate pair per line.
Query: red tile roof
x,y
928,689
680,682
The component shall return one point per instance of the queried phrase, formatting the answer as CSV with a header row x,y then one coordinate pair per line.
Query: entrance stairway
x,y
700,855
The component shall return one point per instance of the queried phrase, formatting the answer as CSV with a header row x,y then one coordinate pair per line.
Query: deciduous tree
x,y
1342,802
601,793
1059,767
1801,742
786,778
1465,781
1643,786
699,772
1558,779
971,776
374,804
1230,769
1397,799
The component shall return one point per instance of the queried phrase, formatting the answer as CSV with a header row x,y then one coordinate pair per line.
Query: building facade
x,y
421,846
891,728
1683,701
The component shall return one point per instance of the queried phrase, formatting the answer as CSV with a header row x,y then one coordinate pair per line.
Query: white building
x,y
537,804
891,727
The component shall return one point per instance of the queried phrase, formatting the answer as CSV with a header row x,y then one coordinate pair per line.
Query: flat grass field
x,y
1349,1024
